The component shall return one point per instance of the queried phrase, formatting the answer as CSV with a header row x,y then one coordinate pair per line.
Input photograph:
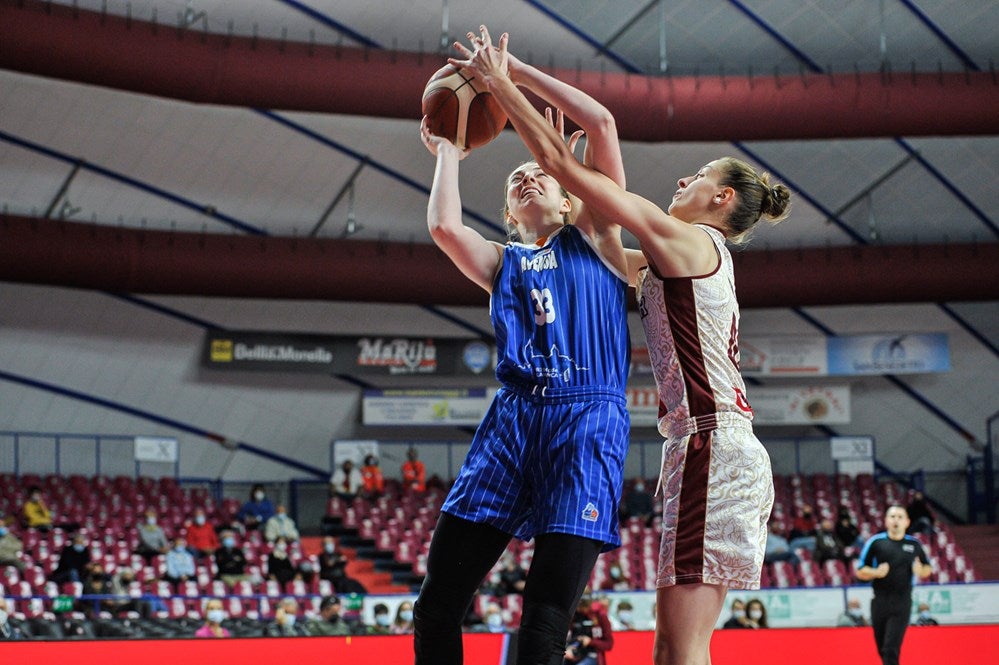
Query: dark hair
x,y
756,198
763,608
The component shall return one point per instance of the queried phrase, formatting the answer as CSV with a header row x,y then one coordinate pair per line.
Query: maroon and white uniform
x,y
716,479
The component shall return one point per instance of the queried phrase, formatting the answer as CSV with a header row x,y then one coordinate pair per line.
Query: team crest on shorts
x,y
590,513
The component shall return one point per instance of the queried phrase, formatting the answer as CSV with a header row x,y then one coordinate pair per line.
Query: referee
x,y
891,560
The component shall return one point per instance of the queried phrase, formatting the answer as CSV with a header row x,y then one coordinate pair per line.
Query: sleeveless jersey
x,y
559,315
692,328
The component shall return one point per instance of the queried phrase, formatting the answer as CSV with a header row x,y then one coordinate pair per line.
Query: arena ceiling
x,y
240,125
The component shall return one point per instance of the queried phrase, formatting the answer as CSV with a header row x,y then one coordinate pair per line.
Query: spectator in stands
x,y
414,473
280,526
853,615
492,620
590,634
333,567
616,581
638,503
74,561
925,618
383,621
230,561
305,571
202,539
180,565
9,631
285,622
214,616
35,511
10,548
372,481
847,532
403,623
803,530
624,617
920,516
827,545
152,539
512,577
257,510
777,548
94,584
756,612
330,622
279,566
331,562
121,586
346,481
738,618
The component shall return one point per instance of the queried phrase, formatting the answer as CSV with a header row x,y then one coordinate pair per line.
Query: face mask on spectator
x,y
289,620
329,548
199,519
79,547
382,620
229,542
739,614
755,615
180,547
259,496
494,620
625,616
3,616
215,616
3,531
151,520
406,615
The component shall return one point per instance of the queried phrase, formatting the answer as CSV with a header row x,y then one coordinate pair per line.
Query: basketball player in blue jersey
x,y
716,478
546,461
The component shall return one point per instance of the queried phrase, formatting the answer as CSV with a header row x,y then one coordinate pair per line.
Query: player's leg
x,y
686,615
559,572
461,554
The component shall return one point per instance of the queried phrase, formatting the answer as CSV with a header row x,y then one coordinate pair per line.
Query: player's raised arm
x,y
477,258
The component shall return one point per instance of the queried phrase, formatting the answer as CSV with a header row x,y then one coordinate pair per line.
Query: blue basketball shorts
x,y
546,464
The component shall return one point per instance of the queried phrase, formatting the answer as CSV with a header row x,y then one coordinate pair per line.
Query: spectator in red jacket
x,y
590,636
373,483
414,473
202,540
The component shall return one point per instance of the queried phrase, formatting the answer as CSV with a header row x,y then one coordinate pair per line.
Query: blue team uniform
x,y
549,454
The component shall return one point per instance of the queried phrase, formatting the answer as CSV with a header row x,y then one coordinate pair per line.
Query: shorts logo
x,y
590,513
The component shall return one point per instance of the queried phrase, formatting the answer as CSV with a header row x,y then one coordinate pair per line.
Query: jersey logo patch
x,y
741,401
590,513
909,548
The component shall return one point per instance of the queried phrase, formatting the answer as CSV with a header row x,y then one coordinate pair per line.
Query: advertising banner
x,y
888,354
390,355
425,407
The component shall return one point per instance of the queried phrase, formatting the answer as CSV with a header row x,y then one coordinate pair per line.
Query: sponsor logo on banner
x,y
399,356
284,353
221,350
476,356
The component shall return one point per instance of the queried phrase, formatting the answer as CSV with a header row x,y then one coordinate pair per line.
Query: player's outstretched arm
x,y
477,258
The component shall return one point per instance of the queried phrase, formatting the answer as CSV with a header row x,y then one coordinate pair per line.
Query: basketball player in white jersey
x,y
716,478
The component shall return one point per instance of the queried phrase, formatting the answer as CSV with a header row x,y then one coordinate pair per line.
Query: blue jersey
x,y
559,315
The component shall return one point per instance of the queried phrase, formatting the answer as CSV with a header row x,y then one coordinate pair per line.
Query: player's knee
x,y
541,639
432,615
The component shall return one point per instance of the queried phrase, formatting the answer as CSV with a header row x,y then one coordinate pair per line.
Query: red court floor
x,y
938,645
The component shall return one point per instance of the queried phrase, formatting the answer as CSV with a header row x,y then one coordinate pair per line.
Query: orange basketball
x,y
459,109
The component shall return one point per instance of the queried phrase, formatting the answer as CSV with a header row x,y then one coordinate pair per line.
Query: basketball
x,y
459,109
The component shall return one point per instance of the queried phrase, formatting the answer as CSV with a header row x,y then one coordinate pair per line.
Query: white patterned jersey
x,y
692,328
